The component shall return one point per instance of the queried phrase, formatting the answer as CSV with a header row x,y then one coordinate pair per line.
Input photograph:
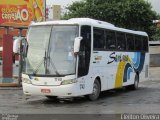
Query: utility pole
x,y
45,5
20,62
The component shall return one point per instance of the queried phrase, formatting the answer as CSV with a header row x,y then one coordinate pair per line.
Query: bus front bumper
x,y
69,90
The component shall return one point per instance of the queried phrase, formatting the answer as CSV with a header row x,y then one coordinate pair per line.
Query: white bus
x,y
82,56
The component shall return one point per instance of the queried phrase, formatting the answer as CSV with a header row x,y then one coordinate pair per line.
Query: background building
x,y
157,22
155,45
53,12
56,12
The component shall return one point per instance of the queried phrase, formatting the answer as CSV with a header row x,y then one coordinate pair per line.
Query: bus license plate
x,y
45,90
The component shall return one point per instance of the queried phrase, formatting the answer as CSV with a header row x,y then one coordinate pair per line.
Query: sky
x,y
155,5
63,3
60,2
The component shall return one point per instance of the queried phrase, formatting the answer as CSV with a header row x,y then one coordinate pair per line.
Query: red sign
x,y
15,16
21,12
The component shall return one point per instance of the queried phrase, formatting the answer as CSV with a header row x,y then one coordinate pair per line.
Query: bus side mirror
x,y
16,45
20,45
77,43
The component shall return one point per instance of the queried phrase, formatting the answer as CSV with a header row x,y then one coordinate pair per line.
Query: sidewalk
x,y
10,88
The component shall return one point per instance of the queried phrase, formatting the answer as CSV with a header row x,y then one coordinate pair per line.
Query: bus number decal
x,y
58,79
82,86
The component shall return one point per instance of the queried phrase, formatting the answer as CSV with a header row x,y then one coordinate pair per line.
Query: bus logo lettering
x,y
112,58
118,58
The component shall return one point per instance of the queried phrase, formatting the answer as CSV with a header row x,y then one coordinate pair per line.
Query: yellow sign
x,y
21,12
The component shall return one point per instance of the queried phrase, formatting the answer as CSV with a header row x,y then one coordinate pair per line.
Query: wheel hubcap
x,y
95,90
136,83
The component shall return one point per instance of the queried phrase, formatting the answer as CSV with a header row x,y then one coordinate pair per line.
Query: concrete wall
x,y
154,56
155,60
154,49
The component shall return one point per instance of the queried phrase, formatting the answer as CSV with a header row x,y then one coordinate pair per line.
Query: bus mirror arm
x,y
77,43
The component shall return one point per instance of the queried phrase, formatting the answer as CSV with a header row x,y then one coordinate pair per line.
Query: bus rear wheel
x,y
96,91
136,83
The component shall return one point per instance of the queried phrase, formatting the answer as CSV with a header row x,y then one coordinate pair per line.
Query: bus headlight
x,y
65,82
25,80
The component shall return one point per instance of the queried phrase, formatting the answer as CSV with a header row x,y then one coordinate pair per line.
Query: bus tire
x,y
96,91
136,83
52,97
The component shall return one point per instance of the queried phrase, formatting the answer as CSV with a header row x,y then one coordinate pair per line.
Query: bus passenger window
x,y
110,40
130,42
121,41
145,44
138,43
99,38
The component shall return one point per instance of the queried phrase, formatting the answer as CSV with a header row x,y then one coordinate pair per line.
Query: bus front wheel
x,y
96,91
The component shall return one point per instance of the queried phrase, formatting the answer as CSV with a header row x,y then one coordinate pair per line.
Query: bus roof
x,y
89,21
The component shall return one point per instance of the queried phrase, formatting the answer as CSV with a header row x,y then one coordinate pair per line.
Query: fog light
x,y
65,82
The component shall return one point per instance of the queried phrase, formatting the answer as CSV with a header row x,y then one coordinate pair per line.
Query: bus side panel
x,y
117,69
124,69
144,75
99,68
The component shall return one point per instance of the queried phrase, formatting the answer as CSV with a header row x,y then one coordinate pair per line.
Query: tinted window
x,y
121,41
138,43
130,42
98,38
85,51
145,44
110,40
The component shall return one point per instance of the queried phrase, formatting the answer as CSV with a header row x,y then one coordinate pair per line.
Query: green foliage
x,y
130,14
157,35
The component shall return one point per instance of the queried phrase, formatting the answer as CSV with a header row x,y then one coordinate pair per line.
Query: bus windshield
x,y
50,51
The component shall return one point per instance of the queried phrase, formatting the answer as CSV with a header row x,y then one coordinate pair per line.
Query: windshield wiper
x,y
37,69
53,66
43,60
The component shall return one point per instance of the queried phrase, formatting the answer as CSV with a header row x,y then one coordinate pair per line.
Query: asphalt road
x,y
144,100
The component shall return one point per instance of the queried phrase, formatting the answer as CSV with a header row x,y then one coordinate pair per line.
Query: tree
x,y
156,36
130,14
